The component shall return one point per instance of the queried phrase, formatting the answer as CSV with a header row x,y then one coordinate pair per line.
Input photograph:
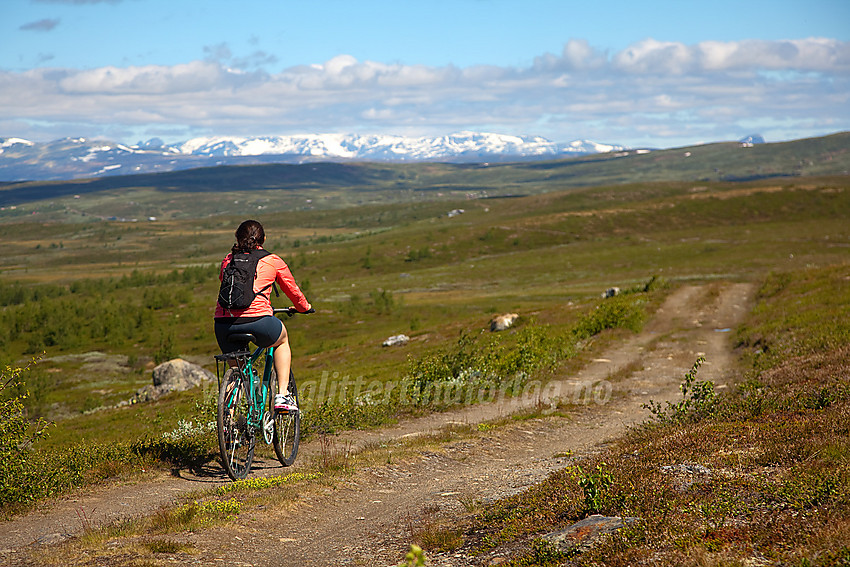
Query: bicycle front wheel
x,y
287,426
235,435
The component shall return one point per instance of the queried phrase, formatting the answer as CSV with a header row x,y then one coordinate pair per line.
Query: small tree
x,y
167,350
17,434
698,399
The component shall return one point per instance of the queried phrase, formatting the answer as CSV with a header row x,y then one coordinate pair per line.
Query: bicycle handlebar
x,y
290,311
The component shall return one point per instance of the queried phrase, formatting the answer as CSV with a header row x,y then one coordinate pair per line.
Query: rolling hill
x,y
333,185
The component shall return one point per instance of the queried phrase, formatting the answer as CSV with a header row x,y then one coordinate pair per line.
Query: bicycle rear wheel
x,y
287,426
235,436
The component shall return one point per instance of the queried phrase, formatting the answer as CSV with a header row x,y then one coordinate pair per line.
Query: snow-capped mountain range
x,y
71,158
390,148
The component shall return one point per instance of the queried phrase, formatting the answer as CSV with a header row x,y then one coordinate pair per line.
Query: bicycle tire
x,y
287,426
236,437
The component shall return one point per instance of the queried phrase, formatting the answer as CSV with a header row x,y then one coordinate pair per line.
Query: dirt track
x,y
367,520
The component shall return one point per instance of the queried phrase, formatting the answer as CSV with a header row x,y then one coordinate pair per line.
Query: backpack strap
x,y
260,254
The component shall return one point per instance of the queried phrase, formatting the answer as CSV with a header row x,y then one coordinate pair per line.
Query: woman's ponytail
x,y
249,236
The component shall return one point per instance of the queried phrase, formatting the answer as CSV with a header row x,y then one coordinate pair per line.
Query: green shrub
x,y
166,546
17,434
541,554
167,351
698,399
28,474
537,347
330,416
622,311
265,482
187,446
383,301
595,485
465,357
489,360
414,558
29,477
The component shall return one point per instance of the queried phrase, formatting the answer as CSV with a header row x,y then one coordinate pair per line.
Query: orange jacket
x,y
269,269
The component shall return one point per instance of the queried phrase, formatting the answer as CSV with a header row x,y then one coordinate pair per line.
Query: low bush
x,y
698,399
265,482
595,485
625,311
28,475
331,416
487,360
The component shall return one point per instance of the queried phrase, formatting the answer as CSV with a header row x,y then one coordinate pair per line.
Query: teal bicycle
x,y
246,407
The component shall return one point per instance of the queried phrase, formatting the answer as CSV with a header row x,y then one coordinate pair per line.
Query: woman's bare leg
x,y
282,361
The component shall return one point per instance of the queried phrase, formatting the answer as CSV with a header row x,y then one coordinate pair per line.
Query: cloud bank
x,y
652,93
44,25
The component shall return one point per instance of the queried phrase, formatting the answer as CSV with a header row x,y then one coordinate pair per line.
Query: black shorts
x,y
266,331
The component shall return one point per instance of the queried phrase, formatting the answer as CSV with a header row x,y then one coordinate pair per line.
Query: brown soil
x,y
368,519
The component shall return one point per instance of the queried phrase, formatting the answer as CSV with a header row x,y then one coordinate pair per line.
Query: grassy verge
x,y
757,477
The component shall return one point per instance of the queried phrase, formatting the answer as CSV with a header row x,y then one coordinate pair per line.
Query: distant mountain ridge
x,y
327,183
391,148
72,158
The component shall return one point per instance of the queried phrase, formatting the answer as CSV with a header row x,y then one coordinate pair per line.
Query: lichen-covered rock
x,y
611,292
175,375
396,340
582,535
503,322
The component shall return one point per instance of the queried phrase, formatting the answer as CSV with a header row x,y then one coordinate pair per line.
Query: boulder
x,y
583,535
396,340
611,292
502,322
175,375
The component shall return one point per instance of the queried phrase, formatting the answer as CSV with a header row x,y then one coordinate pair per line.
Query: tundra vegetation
x,y
90,306
773,485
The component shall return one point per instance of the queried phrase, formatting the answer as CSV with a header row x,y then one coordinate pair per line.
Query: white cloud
x,y
812,54
655,57
149,79
338,64
654,92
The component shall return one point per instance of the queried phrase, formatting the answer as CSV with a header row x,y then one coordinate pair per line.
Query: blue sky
x,y
650,73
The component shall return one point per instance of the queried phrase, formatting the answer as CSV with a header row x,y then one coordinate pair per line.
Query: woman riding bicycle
x,y
258,318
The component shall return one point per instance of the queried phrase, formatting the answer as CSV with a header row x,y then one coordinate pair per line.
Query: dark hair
x,y
249,235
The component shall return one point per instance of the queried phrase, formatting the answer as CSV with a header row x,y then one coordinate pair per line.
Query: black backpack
x,y
237,280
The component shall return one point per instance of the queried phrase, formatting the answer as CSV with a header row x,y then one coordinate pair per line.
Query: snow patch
x,y
9,142
107,168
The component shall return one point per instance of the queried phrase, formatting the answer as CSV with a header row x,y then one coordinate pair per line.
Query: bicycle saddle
x,y
241,338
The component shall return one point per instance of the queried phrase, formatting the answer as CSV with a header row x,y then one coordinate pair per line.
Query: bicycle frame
x,y
258,387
